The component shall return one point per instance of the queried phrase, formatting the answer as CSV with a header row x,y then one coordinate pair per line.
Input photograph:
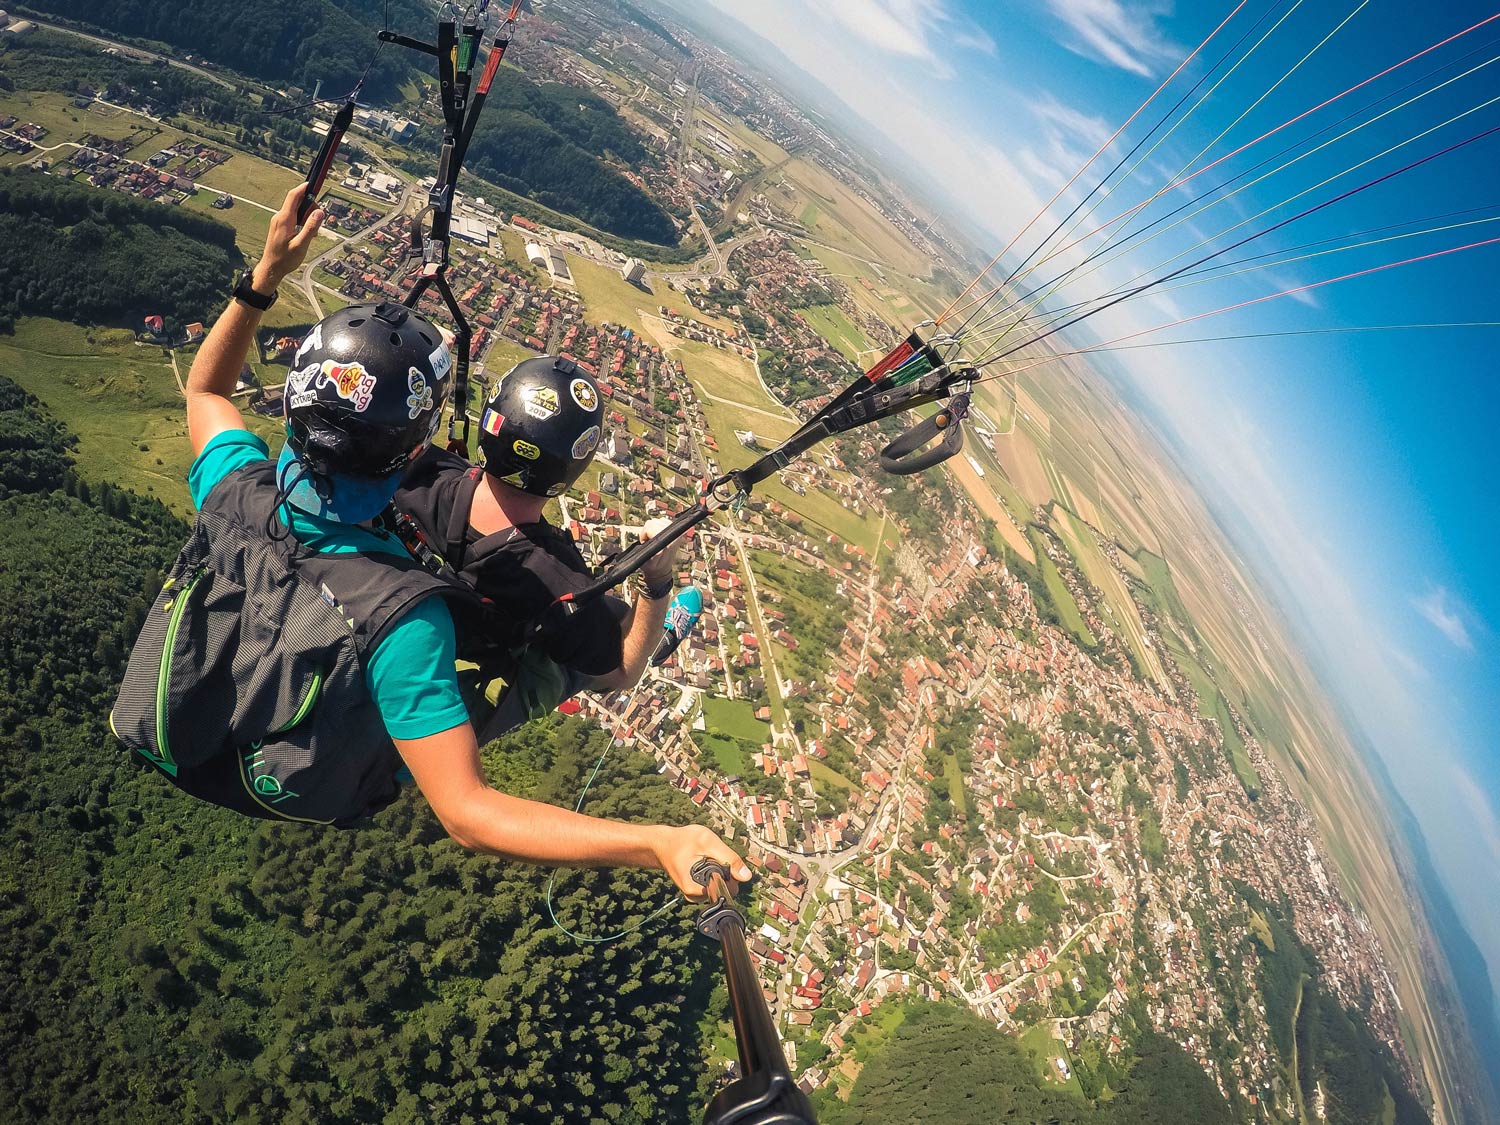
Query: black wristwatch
x,y
656,593
244,291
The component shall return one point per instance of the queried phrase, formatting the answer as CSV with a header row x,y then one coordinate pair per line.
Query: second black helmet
x,y
540,427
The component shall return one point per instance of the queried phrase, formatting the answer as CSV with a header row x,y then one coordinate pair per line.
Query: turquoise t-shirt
x,y
410,674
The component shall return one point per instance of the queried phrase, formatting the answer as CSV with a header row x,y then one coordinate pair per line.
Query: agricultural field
x,y
830,322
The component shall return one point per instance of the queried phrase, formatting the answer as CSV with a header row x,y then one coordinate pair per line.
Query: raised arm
x,y
642,624
447,769
216,367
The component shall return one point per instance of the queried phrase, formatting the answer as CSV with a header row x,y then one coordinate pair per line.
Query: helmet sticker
x,y
526,449
557,489
352,382
441,360
585,443
492,421
302,386
541,403
517,479
313,339
584,395
420,398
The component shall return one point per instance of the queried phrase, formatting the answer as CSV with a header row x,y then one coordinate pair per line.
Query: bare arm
x,y
216,367
447,769
642,624
642,629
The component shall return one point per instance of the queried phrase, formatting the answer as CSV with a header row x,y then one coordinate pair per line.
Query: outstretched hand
x,y
683,847
287,242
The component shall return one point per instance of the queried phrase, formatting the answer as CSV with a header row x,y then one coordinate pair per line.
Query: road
x,y
305,278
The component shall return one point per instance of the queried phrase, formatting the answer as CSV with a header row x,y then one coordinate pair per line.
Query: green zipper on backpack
x,y
307,705
177,607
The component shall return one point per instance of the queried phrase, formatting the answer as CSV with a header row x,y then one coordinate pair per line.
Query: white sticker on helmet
x,y
584,394
586,443
442,362
420,398
541,403
313,339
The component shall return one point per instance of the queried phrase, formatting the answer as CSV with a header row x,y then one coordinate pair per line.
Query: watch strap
x,y
245,292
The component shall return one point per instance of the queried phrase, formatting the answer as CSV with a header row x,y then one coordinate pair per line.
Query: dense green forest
x,y
166,960
297,41
86,254
946,1064
547,141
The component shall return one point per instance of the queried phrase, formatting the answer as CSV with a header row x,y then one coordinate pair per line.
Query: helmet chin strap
x,y
284,491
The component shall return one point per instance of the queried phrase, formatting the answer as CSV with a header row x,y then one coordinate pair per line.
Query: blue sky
x,y
1365,464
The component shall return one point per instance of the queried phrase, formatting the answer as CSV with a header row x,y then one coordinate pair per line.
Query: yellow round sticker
x,y
526,449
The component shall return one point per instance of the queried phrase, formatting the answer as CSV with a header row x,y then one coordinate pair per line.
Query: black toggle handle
x,y
901,457
322,164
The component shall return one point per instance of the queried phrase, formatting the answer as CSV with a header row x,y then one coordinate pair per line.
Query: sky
x,y
1363,465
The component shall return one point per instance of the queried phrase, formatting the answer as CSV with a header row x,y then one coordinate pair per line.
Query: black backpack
x,y
247,686
519,572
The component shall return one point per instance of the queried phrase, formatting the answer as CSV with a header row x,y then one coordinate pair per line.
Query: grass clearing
x,y
1043,1047
1234,747
834,325
65,122
608,297
726,753
118,397
736,718
955,778
1062,598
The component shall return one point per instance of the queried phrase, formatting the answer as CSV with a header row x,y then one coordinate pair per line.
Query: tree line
x,y
278,40
90,255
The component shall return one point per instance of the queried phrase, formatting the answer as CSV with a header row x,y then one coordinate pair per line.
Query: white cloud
x,y
1115,32
1446,614
919,29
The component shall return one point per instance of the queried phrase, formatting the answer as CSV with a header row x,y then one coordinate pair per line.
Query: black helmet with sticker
x,y
540,428
365,392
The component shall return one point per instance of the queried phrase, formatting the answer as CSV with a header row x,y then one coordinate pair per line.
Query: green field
x,y
834,325
1062,597
120,398
1234,747
955,778
736,718
1039,1043
65,122
609,297
727,756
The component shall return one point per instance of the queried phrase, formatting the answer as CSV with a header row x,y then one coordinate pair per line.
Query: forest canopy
x,y
86,254
297,41
168,960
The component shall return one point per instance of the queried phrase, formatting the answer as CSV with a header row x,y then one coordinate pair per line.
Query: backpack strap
x,y
458,516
